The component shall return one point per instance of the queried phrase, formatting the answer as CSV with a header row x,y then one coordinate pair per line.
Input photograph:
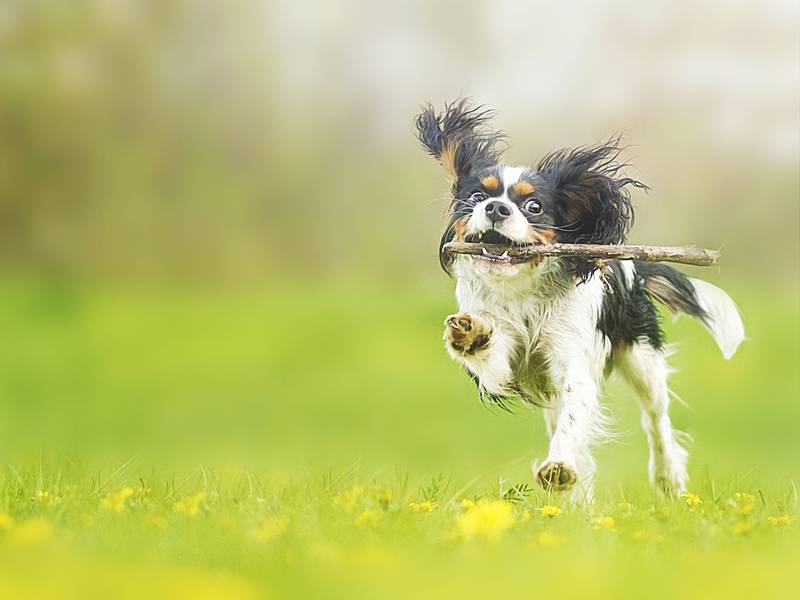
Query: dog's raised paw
x,y
466,333
556,476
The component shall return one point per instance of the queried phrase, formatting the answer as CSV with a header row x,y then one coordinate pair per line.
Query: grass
x,y
242,537
342,455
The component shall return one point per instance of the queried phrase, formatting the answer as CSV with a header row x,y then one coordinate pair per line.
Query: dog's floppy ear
x,y
592,200
458,137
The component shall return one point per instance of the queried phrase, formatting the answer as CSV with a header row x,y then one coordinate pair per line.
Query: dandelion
x,y
116,501
367,518
271,528
348,498
692,500
606,523
549,511
385,497
467,504
6,522
190,506
486,519
426,506
745,502
780,520
31,532
526,515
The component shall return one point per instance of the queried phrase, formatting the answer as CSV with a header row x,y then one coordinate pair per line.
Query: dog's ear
x,y
592,201
458,137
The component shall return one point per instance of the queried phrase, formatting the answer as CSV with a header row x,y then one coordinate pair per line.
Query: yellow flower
x,y
385,496
190,506
271,528
467,504
116,501
606,522
348,498
526,515
426,506
549,511
6,522
46,498
367,517
30,532
640,534
780,520
486,519
691,499
746,502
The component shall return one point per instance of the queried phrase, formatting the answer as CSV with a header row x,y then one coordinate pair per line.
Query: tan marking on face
x,y
491,183
460,229
541,236
523,188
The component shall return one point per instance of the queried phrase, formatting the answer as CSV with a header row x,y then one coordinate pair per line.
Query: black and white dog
x,y
550,331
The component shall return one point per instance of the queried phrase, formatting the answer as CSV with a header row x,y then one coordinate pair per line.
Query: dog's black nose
x,y
497,211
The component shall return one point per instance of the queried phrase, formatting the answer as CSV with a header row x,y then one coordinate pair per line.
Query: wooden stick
x,y
677,254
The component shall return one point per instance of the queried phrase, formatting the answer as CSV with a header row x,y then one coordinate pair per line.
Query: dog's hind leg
x,y
646,369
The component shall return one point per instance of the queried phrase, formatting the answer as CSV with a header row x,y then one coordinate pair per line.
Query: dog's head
x,y
571,196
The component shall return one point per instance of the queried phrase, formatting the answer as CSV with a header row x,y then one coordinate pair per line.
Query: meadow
x,y
316,441
222,373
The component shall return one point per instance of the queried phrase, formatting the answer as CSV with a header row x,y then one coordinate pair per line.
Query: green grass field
x,y
318,442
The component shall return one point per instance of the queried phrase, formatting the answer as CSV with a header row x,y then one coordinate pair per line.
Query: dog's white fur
x,y
530,312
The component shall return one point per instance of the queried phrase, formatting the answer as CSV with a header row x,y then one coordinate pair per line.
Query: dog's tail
x,y
707,303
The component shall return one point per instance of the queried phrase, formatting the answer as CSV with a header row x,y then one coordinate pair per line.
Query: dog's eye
x,y
478,196
533,207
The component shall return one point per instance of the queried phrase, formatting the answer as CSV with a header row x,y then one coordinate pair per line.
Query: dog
x,y
550,331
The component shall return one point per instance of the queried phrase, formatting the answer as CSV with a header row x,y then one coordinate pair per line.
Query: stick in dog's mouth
x,y
495,247
526,252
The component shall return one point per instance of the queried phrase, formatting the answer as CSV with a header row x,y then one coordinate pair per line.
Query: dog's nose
x,y
497,211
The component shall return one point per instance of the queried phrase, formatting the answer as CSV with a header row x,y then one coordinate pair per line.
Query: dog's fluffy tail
x,y
722,316
707,303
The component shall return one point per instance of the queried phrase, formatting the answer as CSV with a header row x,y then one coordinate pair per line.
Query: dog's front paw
x,y
466,333
556,476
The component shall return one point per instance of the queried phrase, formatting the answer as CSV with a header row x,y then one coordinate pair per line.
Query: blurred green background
x,y
218,233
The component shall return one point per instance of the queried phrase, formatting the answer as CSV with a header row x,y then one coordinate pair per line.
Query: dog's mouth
x,y
495,238
491,236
